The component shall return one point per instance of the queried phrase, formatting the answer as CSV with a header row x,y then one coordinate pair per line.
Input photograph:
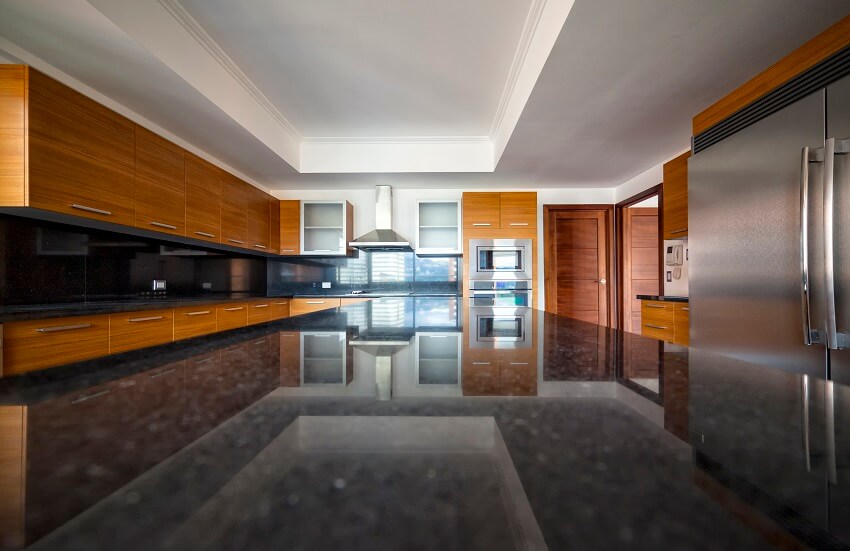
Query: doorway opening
x,y
639,248
578,241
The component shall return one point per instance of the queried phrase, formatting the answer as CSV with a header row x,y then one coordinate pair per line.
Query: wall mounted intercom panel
x,y
675,255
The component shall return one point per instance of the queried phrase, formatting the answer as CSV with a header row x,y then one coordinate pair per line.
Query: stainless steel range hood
x,y
383,237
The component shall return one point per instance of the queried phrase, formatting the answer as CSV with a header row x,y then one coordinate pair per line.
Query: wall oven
x,y
500,294
499,259
500,327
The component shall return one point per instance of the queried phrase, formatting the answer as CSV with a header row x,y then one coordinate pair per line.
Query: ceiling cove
x,y
169,32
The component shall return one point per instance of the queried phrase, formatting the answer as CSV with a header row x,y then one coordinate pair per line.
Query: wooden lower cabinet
x,y
307,305
290,358
231,316
665,321
485,375
194,321
260,312
280,308
134,330
38,344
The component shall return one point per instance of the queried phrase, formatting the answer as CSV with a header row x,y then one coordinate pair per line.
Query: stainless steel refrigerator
x,y
769,239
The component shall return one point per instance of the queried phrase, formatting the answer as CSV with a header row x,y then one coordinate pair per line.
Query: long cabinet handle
x,y
481,224
804,246
205,234
88,397
651,326
56,328
163,225
148,318
829,241
205,360
686,309
234,309
480,363
91,209
683,230
281,303
161,373
519,363
236,241
201,313
261,306
655,306
260,246
315,302
519,223
287,250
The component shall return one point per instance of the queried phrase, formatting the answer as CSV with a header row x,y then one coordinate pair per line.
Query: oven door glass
x,y
501,328
501,298
495,259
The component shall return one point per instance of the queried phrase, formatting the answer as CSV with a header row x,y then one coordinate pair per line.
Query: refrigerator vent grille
x,y
824,73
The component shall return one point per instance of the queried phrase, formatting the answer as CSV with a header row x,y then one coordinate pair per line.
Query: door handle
x,y
91,209
834,339
163,225
149,318
804,246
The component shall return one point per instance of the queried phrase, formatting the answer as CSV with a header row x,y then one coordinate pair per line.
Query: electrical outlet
x,y
326,285
206,285
158,285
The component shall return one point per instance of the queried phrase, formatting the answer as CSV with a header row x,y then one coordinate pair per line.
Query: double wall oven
x,y
500,290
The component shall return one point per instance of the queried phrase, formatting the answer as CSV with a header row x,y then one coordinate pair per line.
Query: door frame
x,y
549,267
619,208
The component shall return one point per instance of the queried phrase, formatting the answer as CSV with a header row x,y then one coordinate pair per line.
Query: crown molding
x,y
191,25
532,20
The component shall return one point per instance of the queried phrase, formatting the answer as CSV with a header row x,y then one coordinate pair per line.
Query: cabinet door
x,y
260,312
675,197
306,305
160,184
682,324
81,154
518,210
203,199
481,210
290,358
234,216
290,227
274,225
280,308
134,330
194,321
231,316
38,344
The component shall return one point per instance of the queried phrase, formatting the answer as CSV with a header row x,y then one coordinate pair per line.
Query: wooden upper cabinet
x,y
518,209
160,184
290,227
481,210
675,197
203,199
80,154
234,214
274,225
259,219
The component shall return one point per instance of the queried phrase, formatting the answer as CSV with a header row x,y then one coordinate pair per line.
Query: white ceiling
x,y
616,94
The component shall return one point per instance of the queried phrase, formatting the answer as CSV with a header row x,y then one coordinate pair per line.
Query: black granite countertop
x,y
294,434
663,298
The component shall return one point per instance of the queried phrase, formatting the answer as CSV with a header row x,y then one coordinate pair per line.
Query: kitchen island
x,y
289,434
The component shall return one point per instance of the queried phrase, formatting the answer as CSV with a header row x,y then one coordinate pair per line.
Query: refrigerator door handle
x,y
834,339
804,246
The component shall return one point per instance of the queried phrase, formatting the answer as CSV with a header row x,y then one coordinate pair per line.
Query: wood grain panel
x,y
260,312
274,225
481,210
290,227
38,344
13,135
290,358
234,213
644,227
13,454
350,301
231,315
675,197
80,153
803,58
480,378
203,199
655,330
657,311
300,306
259,220
576,296
518,210
194,321
578,263
134,330
645,264
160,184
518,378
280,308
578,233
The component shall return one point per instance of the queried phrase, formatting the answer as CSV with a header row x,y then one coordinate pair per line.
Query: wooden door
x,y
640,262
577,263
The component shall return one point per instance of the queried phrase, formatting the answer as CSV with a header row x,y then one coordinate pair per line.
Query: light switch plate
x,y
326,285
158,285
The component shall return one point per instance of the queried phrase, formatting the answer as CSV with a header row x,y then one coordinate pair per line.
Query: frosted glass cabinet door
x,y
438,358
323,358
438,227
323,225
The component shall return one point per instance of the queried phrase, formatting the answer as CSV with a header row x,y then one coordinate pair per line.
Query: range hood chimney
x,y
383,237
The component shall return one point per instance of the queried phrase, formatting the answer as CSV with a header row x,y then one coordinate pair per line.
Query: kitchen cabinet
x,y
324,359
437,358
38,344
274,224
234,211
280,308
326,227
675,197
134,330
506,210
231,315
438,227
300,306
203,199
259,312
665,320
194,321
290,227
481,210
66,153
160,184
290,358
259,219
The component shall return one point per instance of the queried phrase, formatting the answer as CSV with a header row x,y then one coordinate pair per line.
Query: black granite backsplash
x,y
46,263
380,272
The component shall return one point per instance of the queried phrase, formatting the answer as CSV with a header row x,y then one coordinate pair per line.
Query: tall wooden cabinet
x,y
203,199
234,211
675,197
160,184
